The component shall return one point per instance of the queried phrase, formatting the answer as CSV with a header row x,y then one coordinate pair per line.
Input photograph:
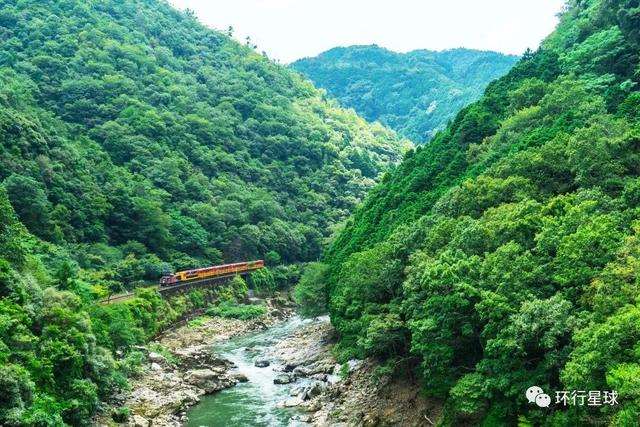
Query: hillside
x,y
505,253
132,124
414,93
134,140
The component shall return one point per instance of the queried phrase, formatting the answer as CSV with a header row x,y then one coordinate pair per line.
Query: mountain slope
x,y
414,93
134,140
504,254
139,125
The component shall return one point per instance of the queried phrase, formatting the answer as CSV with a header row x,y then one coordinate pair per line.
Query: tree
x,y
263,281
311,292
504,252
235,291
65,274
128,271
17,393
11,233
189,236
30,202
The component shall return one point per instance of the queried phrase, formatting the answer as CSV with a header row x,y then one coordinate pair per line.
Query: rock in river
x,y
284,379
240,377
262,363
301,371
289,367
209,380
289,403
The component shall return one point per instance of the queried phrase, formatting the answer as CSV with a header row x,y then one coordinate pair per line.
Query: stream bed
x,y
253,403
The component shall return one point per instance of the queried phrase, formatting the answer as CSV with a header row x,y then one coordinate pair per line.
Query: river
x,y
253,403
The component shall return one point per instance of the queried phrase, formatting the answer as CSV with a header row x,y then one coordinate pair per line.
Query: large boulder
x,y
290,366
210,380
200,357
262,363
319,377
296,391
321,367
156,358
240,377
313,390
138,421
284,379
289,403
150,404
304,418
354,364
301,372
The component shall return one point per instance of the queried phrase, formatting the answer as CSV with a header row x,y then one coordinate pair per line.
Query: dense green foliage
x,y
229,302
311,292
414,93
127,129
56,344
505,253
133,141
237,311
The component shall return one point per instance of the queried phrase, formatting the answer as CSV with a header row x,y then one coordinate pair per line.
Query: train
x,y
210,272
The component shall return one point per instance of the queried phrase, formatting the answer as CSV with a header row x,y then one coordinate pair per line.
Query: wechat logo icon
x,y
536,395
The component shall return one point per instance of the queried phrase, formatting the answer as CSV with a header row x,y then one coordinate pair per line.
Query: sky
x,y
291,29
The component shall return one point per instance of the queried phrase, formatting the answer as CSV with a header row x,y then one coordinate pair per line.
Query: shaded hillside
x,y
134,140
505,253
414,93
128,123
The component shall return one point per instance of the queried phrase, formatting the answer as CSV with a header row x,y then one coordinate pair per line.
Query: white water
x,y
253,403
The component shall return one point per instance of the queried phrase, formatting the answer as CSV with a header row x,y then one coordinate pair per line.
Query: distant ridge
x,y
415,93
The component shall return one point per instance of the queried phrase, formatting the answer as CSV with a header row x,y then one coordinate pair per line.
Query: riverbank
x,y
350,395
181,366
196,374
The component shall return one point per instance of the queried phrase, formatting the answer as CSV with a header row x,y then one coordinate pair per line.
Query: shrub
x,y
234,291
263,281
237,311
311,292
121,414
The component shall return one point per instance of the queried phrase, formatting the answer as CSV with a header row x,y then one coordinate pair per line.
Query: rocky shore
x,y
324,392
172,380
350,395
364,399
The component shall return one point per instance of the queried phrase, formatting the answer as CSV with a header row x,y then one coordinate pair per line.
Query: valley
x,y
277,369
192,233
415,93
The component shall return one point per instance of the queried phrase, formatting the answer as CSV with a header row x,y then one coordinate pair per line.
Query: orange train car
x,y
210,272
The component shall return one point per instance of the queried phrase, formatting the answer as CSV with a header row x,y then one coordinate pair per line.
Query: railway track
x,y
178,288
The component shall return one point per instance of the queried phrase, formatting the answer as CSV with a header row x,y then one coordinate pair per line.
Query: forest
x,y
130,129
415,93
505,253
501,251
134,141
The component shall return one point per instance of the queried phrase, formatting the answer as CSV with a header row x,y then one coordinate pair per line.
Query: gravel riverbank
x,y
188,368
324,392
352,395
